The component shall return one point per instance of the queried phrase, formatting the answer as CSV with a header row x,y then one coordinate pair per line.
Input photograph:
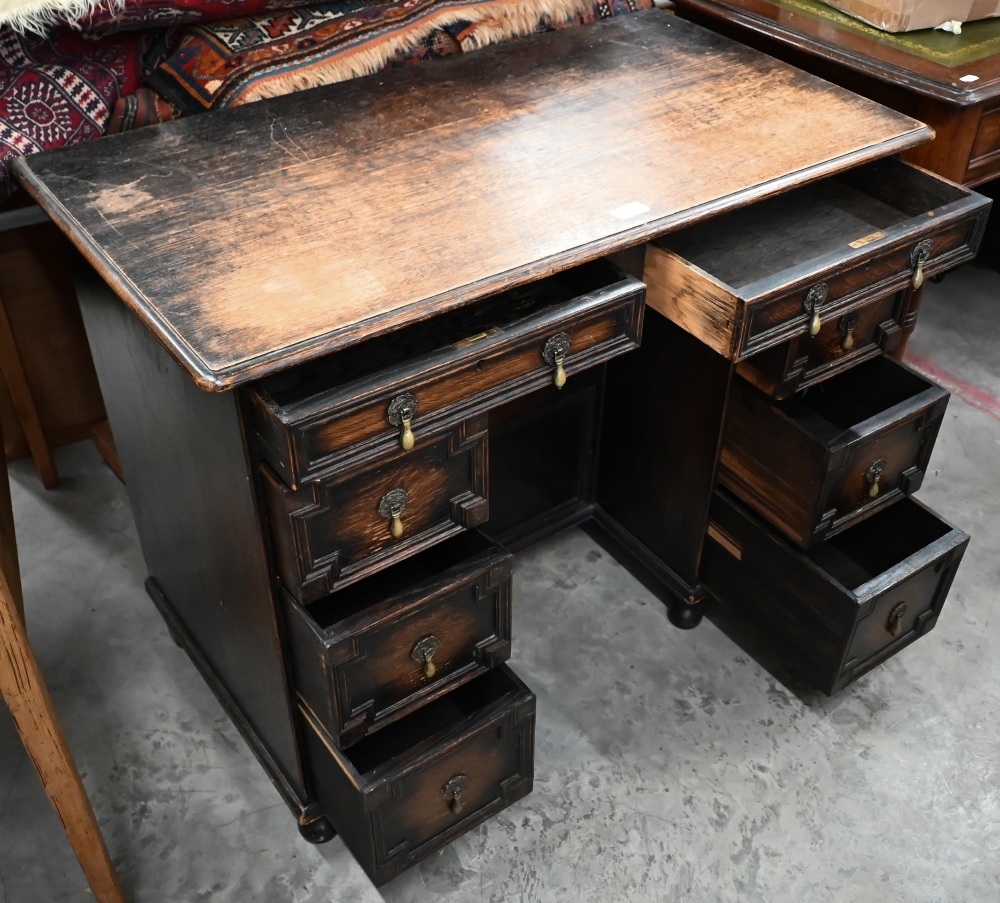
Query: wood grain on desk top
x,y
253,239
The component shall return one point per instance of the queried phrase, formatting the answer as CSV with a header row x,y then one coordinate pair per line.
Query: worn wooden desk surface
x,y
950,82
254,239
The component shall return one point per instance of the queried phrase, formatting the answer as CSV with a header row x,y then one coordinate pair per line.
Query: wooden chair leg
x,y
8,547
24,404
27,697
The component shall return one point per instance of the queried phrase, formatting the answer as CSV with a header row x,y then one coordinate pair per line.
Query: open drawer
x,y
814,464
357,520
388,393
367,656
403,793
846,605
790,268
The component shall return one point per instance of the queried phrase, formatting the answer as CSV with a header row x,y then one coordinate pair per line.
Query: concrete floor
x,y
669,766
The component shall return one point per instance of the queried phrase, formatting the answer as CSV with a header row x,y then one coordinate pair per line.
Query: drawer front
x,y
899,616
768,274
396,408
394,805
332,532
829,295
854,335
375,666
813,466
827,611
492,767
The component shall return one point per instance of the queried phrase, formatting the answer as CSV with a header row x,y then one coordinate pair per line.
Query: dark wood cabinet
x,y
326,398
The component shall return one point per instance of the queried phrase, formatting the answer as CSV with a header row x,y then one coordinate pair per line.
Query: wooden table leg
x,y
24,403
8,547
26,695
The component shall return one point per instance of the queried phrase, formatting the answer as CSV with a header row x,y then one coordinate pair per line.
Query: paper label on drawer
x,y
630,210
868,239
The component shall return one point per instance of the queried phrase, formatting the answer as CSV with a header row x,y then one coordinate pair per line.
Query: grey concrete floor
x,y
670,766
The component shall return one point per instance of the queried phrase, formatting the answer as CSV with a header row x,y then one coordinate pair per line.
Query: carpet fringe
x,y
38,16
494,22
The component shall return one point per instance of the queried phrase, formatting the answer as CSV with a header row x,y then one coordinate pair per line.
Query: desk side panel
x,y
192,496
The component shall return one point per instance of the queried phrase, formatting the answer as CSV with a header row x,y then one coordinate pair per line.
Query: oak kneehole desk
x,y
358,343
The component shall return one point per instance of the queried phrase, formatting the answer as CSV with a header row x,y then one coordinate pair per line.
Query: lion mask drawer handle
x,y
452,792
423,654
391,508
400,414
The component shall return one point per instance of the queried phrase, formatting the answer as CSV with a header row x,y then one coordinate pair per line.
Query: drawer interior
x,y
826,218
878,544
456,327
399,579
863,392
406,737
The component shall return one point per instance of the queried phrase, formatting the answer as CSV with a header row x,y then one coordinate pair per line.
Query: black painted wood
x,y
190,487
388,795
830,611
353,653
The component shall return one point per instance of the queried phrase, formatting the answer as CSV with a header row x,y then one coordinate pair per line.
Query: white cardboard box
x,y
910,15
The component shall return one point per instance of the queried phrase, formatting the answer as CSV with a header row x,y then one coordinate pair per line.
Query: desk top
x,y
253,239
959,69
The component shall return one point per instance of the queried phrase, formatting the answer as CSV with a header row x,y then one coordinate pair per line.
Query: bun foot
x,y
684,616
318,831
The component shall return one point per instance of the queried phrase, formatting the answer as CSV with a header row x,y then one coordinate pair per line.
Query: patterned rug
x,y
99,17
235,61
60,89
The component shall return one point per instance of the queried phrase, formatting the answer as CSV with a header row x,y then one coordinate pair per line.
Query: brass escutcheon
x,y
554,353
873,475
815,299
918,257
400,414
453,790
423,654
895,622
391,508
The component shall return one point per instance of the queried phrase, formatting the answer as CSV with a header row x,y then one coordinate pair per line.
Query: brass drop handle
x,y
873,475
452,792
406,437
554,354
848,324
400,414
895,622
423,654
918,258
815,299
391,508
